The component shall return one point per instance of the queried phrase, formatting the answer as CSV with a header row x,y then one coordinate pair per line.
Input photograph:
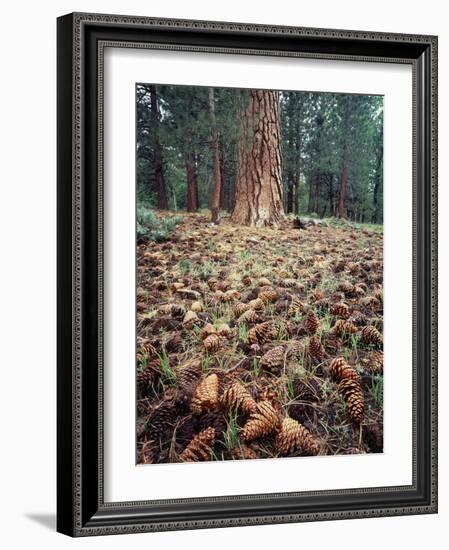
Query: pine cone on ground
x,y
148,375
293,436
332,343
376,362
215,420
145,352
273,358
261,333
257,304
240,308
315,348
190,319
311,323
162,420
358,318
200,448
237,397
343,327
296,306
340,370
268,296
340,309
352,393
231,295
249,316
296,349
189,373
207,330
243,453
212,343
246,280
264,421
177,311
205,397
373,437
346,287
370,335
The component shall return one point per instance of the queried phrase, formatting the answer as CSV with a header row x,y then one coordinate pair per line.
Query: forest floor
x,y
258,343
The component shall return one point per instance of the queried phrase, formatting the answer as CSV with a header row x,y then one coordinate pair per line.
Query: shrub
x,y
152,227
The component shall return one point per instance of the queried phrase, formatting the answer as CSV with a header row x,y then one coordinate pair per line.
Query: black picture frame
x,y
81,509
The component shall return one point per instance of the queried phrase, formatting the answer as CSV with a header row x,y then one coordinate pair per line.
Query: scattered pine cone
x,y
207,330
376,362
257,304
261,333
177,311
189,373
246,280
148,375
343,327
311,323
340,370
340,309
145,352
296,306
315,348
240,308
237,397
263,422
332,343
370,335
293,437
268,296
273,358
373,437
197,307
162,420
243,452
352,393
206,395
190,319
200,447
249,316
212,343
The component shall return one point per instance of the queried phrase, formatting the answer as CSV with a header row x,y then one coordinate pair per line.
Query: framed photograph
x,y
247,274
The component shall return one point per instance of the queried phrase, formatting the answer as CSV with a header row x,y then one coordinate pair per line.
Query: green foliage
x,y
153,227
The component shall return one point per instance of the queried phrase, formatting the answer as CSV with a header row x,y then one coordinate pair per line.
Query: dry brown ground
x,y
214,385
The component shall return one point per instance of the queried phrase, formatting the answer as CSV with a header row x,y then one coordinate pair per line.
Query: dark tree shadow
x,y
47,520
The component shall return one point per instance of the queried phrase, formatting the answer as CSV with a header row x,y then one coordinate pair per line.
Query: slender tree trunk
x,y
192,183
311,203
343,182
258,196
216,190
223,187
331,194
158,163
377,181
297,174
318,194
289,205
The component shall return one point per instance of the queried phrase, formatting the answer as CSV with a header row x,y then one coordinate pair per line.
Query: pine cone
x,y
215,420
340,309
261,333
332,343
352,393
237,397
206,395
189,374
162,420
376,362
231,295
240,308
246,280
268,296
311,323
148,375
315,348
243,453
207,330
370,335
212,343
145,352
249,316
273,358
212,283
257,305
340,370
264,421
346,287
373,437
357,318
343,327
296,306
200,448
177,311
190,319
293,436
296,349
197,307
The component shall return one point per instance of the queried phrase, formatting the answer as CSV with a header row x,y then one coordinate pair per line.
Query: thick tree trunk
x,y
343,183
158,164
216,190
192,184
258,193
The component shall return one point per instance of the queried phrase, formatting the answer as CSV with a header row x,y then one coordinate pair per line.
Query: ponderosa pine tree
x,y
258,193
